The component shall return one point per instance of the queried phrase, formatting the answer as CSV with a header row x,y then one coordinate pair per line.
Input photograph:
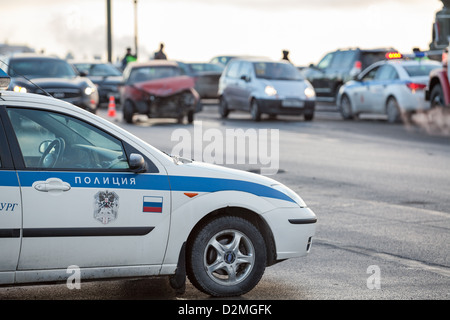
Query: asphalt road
x,y
380,192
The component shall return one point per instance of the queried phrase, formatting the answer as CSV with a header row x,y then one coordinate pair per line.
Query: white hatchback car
x,y
392,87
77,190
261,86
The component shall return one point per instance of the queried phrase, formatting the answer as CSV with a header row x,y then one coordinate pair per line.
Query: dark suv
x,y
338,67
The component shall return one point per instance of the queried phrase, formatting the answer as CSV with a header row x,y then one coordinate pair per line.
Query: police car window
x,y
51,140
386,72
370,75
420,70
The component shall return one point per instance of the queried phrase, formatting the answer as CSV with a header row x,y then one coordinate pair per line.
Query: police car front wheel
x,y
227,257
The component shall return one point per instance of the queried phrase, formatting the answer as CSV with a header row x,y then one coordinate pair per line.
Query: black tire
x,y
223,108
308,116
437,97
254,111
128,111
393,111
227,257
190,116
345,108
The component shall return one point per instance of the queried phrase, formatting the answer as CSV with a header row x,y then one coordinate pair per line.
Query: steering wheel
x,y
52,153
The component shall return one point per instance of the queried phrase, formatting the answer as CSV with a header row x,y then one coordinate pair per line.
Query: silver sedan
x,y
393,87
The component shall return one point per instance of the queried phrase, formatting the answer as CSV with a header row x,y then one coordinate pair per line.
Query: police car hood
x,y
201,176
208,170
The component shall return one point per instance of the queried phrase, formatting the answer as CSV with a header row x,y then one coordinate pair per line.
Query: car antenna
x,y
21,75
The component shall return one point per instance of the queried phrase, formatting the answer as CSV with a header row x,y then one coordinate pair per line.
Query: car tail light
x,y
358,65
415,86
444,57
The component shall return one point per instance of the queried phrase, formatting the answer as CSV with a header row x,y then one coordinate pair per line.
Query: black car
x,y
206,76
49,75
338,67
105,76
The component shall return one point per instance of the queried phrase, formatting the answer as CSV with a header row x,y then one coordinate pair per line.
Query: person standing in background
x,y
129,57
160,54
285,56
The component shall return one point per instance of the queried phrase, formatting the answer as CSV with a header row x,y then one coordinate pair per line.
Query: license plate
x,y
292,103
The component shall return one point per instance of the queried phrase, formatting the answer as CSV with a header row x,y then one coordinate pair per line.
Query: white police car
x,y
77,190
394,87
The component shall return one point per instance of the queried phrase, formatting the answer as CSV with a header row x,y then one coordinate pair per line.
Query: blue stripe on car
x,y
141,181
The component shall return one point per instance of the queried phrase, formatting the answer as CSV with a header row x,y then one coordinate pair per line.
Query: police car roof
x,y
412,62
12,96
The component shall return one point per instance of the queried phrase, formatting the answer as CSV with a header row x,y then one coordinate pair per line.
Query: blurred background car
x,y
105,76
223,60
265,87
393,87
206,77
41,74
338,67
158,89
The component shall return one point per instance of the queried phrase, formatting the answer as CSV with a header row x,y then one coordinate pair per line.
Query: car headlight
x,y
89,90
270,91
309,92
20,89
291,194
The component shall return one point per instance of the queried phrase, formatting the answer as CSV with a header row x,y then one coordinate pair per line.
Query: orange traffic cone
x,y
112,107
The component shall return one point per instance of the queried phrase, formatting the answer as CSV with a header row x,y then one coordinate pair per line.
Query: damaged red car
x,y
158,89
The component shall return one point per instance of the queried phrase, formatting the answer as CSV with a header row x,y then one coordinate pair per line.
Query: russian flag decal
x,y
152,204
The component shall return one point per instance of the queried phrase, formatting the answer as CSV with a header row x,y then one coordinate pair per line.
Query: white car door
x,y
82,205
10,213
362,95
385,76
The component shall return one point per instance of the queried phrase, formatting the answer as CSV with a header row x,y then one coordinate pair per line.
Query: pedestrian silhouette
x,y
129,57
285,56
160,54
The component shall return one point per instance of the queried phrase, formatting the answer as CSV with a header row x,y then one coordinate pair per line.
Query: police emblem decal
x,y
106,206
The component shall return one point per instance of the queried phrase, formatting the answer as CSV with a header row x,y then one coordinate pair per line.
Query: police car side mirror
x,y
137,163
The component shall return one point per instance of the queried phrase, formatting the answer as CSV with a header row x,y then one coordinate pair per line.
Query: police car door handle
x,y
52,185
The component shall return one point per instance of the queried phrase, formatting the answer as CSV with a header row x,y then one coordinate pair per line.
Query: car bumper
x,y
88,103
293,229
272,106
104,95
414,102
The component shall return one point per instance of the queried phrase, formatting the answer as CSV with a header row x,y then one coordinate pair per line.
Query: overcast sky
x,y
197,30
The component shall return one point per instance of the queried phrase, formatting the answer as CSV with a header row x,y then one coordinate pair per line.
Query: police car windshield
x,y
41,68
276,71
420,70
